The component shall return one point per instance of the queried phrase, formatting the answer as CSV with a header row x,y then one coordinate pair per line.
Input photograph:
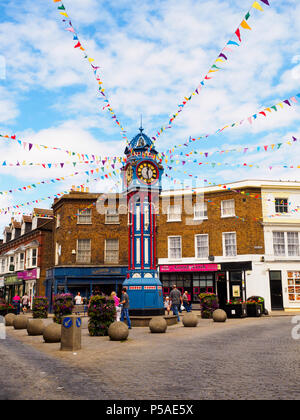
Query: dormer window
x,y
141,142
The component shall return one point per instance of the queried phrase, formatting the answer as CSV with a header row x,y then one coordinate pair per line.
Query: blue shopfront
x,y
86,280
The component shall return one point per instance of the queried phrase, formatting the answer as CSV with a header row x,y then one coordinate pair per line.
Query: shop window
x,y
229,244
84,250
174,247
281,205
227,208
84,216
293,279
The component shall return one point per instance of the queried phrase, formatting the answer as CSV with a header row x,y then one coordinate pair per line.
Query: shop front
x,y
12,286
227,280
30,278
86,280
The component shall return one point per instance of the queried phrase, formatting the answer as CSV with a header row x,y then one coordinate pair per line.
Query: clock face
x,y
147,172
129,174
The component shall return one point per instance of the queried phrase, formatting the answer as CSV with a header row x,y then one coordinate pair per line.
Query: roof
x,y
26,219
42,212
140,143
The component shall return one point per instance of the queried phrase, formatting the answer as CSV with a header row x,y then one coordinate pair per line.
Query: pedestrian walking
x,y
176,299
25,303
17,303
185,301
117,305
78,299
125,307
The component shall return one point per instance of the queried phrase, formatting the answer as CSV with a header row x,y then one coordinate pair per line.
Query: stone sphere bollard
x,y
9,320
35,326
20,322
219,315
190,320
52,333
118,331
158,325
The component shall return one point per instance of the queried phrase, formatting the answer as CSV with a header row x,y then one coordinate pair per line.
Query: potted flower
x,y
208,304
255,306
62,306
6,308
236,308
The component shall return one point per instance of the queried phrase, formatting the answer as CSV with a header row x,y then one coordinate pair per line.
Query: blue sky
x,y
151,54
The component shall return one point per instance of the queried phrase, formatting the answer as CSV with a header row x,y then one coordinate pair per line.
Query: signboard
x,y
28,274
10,280
236,291
189,268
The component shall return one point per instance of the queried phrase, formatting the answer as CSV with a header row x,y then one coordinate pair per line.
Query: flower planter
x,y
237,310
254,309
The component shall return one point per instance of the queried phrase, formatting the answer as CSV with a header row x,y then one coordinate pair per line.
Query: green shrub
x,y
62,306
102,313
40,306
208,304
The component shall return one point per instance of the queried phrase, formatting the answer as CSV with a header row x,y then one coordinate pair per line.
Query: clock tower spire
x,y
142,174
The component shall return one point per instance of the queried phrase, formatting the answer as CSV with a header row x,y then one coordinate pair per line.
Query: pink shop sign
x,y
28,274
189,268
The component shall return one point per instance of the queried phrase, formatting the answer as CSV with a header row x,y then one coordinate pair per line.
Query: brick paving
x,y
241,359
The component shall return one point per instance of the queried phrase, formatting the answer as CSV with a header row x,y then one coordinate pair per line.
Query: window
x,y
227,208
20,261
84,216
57,220
57,253
200,211
2,265
174,247
111,216
84,250
111,250
229,244
293,244
174,213
281,205
31,257
286,244
202,247
294,286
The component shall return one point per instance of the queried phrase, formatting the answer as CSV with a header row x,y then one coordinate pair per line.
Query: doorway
x,y
276,290
221,289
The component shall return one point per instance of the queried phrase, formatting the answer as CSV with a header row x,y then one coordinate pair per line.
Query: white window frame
x,y
285,244
84,217
223,209
88,252
2,265
30,258
20,263
57,220
112,216
196,245
224,244
174,216
169,247
202,211
110,259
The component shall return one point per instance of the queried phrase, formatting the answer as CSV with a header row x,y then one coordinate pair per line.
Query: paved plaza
x,y
252,358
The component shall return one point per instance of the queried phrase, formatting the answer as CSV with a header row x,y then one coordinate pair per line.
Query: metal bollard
x,y
71,333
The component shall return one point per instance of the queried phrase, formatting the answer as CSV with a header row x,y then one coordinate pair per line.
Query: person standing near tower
x,y
125,307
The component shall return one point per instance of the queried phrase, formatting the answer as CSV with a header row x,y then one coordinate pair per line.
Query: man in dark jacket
x,y
176,298
125,307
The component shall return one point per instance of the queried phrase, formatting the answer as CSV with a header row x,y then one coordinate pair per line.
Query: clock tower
x,y
142,184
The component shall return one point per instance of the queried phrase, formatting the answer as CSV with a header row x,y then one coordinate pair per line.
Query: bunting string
x,y
262,114
222,58
95,69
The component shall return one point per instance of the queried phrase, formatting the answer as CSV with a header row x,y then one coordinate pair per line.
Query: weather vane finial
x,y
141,127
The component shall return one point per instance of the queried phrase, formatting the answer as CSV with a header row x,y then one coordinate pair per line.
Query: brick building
x,y
26,253
91,247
